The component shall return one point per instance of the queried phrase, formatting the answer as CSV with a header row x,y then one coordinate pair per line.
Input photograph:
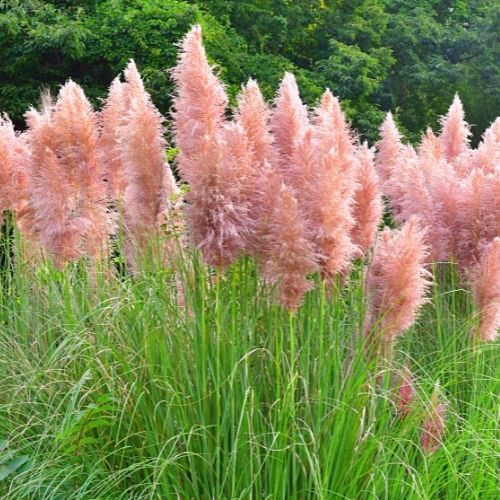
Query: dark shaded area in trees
x,y
410,56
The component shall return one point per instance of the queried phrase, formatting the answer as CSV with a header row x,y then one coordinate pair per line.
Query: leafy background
x,y
410,56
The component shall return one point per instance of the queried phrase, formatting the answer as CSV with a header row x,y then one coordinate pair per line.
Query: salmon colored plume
x,y
288,120
368,208
434,425
323,173
76,141
289,256
389,148
66,181
430,147
406,393
486,292
487,154
14,158
200,104
112,117
397,282
331,128
150,185
254,116
455,132
217,206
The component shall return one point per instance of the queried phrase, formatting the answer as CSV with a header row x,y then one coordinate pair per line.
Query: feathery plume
x,y
289,256
14,157
487,154
332,129
389,148
455,132
486,292
430,147
254,116
200,104
112,117
211,151
368,207
67,206
150,185
477,222
396,283
288,120
75,140
330,214
49,217
406,393
434,425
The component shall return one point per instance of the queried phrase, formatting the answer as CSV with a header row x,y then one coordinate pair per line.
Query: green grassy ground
x,y
112,389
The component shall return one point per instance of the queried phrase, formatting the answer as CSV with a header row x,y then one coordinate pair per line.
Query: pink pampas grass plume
x,y
75,141
396,283
406,393
288,119
113,116
254,116
486,292
331,128
50,218
14,157
487,154
214,158
330,217
455,132
478,217
200,104
289,256
389,148
429,149
367,209
434,425
150,183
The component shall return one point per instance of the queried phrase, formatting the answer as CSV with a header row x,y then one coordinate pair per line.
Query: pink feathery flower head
x,y
487,154
150,185
288,119
331,127
14,157
406,393
254,116
486,292
214,158
76,143
455,131
111,118
397,282
289,256
395,188
434,425
429,149
50,218
368,208
330,213
478,219
447,195
200,104
389,148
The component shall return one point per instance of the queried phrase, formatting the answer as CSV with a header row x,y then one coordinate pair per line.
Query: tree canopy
x,y
410,56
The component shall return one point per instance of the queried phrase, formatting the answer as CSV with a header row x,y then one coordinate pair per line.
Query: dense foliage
x,y
374,54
